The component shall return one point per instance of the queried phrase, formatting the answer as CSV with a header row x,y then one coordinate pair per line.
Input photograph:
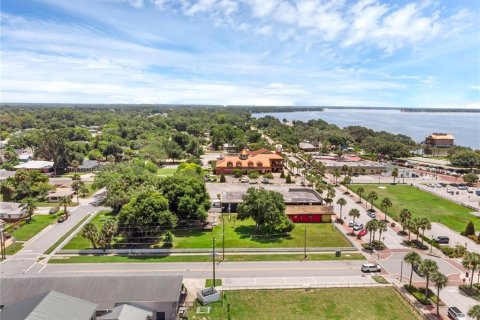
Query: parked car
x,y
244,180
462,187
449,190
370,267
442,239
265,180
350,224
371,214
62,219
253,182
470,190
362,233
477,192
358,226
417,270
455,313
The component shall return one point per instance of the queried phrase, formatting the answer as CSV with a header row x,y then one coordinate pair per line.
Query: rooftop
x,y
264,157
127,312
4,174
51,305
35,164
309,209
61,192
88,164
292,195
102,290
441,136
306,145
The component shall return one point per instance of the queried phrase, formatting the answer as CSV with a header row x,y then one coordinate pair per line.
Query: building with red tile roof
x,y
262,160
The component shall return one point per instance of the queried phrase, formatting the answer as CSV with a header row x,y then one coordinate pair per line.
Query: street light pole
x,y
223,238
213,261
401,271
431,246
305,244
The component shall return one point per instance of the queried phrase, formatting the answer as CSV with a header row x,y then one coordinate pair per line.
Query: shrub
x,y
223,179
168,239
419,245
288,179
377,245
253,174
473,292
470,229
418,293
237,173
268,176
282,175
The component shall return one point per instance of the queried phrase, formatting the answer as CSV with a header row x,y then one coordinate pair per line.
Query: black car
x,y
417,270
442,239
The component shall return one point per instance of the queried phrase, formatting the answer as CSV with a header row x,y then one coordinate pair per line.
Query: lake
x,y
464,126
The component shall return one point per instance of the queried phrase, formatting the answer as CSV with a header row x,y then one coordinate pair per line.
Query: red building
x,y
309,213
262,160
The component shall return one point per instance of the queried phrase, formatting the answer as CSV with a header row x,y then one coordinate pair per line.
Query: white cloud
x,y
475,87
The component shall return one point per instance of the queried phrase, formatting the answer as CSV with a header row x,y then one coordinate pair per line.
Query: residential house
x,y
262,160
156,295
440,140
59,194
307,147
86,166
5,174
11,211
40,165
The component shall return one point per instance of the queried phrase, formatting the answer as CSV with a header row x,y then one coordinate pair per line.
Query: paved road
x,y
35,247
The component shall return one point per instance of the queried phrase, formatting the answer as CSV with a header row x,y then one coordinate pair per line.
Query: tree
x,y
385,204
355,214
372,196
440,280
405,215
84,191
346,181
75,164
372,227
341,202
428,268
53,146
65,201
267,209
394,174
147,213
410,226
282,175
414,260
336,174
168,238
76,186
469,229
7,189
109,229
188,167
253,175
111,158
29,205
425,224
223,179
173,150
417,223
474,312
382,227
90,232
471,261
470,178
360,191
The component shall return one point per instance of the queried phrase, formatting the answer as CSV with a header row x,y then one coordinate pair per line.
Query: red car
x,y
362,233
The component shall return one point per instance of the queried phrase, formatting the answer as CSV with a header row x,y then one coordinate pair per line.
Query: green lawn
x,y
65,236
240,234
166,171
38,223
79,242
328,304
205,258
422,204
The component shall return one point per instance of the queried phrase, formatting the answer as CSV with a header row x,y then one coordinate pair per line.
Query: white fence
x,y
306,286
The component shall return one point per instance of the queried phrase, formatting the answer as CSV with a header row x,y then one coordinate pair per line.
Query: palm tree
x,y
425,224
385,204
417,222
109,229
382,227
90,232
330,191
428,268
29,206
355,214
75,164
336,174
360,191
64,202
111,158
471,261
394,174
474,312
76,186
341,202
410,226
372,227
405,215
440,281
372,196
7,189
414,260
84,191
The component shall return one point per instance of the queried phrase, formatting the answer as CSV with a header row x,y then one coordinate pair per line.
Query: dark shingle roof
x,y
101,290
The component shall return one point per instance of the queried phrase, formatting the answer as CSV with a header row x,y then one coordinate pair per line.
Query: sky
x,y
382,53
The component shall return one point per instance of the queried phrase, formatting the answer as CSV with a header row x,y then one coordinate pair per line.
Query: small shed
x,y
309,213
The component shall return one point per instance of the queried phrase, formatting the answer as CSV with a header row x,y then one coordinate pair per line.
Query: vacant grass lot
x,y
166,171
79,242
241,234
206,258
238,234
421,204
328,304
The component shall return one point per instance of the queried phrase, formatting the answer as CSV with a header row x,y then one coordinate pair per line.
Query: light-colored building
x,y
440,140
11,211
307,147
59,194
5,174
40,165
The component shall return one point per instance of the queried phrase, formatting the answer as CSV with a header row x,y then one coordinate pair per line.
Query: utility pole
x,y
305,244
401,271
2,243
223,238
213,261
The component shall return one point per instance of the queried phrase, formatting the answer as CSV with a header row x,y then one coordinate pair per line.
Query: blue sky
x,y
257,52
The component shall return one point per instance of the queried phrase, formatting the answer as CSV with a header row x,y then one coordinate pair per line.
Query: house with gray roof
x,y
158,294
11,211
86,166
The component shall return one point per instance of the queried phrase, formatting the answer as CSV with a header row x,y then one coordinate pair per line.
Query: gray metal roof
x,y
50,305
102,290
4,174
127,312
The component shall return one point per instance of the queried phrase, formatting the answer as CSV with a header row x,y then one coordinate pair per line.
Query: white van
x,y
370,267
